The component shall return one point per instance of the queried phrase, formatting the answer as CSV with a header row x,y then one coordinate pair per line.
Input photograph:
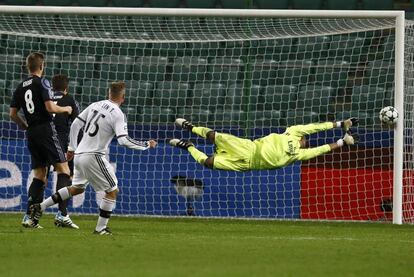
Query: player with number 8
x,y
33,96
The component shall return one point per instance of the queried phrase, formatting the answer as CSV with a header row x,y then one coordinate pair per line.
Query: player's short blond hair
x,y
117,88
34,61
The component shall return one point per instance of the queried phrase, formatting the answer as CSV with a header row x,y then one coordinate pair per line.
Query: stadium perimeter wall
x,y
334,189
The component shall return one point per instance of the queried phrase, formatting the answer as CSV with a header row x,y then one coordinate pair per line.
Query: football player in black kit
x,y
34,97
62,122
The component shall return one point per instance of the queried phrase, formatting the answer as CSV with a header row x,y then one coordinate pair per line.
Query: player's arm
x,y
51,107
121,132
302,130
14,108
308,129
75,109
17,119
129,142
47,97
75,128
310,153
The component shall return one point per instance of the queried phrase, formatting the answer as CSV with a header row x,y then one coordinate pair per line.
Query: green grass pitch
x,y
206,247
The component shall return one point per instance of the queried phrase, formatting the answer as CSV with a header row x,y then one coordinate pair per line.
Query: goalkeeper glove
x,y
346,124
348,139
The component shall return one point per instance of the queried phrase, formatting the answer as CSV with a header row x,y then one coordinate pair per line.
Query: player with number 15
x,y
100,122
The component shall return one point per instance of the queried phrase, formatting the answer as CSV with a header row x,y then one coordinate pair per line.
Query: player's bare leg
x,y
40,173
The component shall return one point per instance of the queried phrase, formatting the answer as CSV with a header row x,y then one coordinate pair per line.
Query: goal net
x,y
248,76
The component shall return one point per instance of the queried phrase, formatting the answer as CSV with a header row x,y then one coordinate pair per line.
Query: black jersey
x,y
31,95
63,120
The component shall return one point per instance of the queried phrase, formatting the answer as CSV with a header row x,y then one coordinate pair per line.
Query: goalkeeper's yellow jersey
x,y
279,150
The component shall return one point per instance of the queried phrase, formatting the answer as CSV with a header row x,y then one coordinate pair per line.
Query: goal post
x,y
399,129
247,72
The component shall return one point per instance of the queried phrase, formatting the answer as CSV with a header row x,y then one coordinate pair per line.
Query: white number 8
x,y
29,102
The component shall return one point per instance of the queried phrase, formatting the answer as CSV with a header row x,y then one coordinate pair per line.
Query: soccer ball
x,y
388,115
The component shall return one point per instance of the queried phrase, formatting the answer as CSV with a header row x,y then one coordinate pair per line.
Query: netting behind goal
x,y
248,77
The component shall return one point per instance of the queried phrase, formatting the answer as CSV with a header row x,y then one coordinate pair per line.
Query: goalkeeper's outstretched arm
x,y
308,129
310,153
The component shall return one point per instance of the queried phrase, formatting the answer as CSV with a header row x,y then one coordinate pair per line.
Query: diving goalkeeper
x,y
270,152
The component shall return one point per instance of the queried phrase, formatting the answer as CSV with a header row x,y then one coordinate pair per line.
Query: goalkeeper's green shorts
x,y
233,153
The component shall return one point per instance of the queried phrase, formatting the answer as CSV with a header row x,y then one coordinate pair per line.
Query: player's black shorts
x,y
44,145
64,141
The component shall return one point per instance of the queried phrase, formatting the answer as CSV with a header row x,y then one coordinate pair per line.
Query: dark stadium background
x,y
371,160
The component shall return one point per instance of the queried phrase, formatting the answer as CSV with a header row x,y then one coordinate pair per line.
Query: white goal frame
x,y
398,16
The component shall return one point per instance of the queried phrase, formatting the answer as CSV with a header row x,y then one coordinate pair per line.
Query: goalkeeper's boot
x,y
106,231
27,222
351,122
183,123
181,143
64,221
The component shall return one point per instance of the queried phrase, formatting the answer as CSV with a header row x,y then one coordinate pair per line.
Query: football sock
x,y
36,191
63,181
59,196
199,156
201,131
105,211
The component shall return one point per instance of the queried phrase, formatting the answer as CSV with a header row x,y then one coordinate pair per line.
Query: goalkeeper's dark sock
x,y
201,131
61,195
105,211
63,181
36,191
199,156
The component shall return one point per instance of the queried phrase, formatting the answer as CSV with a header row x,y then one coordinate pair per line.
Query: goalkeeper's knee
x,y
199,156
209,162
211,136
